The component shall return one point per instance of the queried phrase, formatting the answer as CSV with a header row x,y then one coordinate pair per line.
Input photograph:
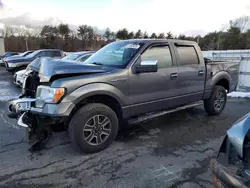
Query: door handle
x,y
174,75
200,73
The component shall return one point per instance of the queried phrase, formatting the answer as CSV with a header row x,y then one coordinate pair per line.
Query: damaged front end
x,y
38,128
231,168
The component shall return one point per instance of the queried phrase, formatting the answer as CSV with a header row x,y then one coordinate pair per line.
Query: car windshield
x,y
31,55
26,53
34,64
116,54
7,54
73,56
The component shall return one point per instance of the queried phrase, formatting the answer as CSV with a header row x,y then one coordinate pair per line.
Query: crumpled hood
x,y
53,67
237,133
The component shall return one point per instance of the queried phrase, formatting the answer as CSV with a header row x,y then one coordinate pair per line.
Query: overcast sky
x,y
178,16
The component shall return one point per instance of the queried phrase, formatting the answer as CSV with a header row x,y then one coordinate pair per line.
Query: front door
x,y
151,91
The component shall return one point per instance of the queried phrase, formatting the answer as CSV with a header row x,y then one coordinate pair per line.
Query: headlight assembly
x,y
45,94
11,65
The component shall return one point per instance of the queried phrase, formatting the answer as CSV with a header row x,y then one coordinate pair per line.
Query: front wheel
x,y
217,101
93,127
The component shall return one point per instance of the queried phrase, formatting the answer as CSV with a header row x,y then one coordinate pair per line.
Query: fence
x,y
242,56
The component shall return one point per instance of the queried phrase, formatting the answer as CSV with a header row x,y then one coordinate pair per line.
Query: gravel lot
x,y
171,151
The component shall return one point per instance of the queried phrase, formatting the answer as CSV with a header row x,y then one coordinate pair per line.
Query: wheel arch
x,y
98,93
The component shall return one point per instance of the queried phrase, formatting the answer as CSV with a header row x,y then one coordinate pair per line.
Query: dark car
x,y
6,55
79,56
124,82
24,54
231,168
20,63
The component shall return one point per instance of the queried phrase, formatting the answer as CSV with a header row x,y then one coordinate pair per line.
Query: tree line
x,y
234,35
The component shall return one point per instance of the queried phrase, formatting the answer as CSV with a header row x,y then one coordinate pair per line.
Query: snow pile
x,y
238,94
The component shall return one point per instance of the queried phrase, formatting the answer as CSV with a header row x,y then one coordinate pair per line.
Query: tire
x,y
82,127
211,105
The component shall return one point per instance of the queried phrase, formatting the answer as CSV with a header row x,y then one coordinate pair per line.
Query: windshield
x,y
34,64
73,56
116,54
7,54
26,53
31,55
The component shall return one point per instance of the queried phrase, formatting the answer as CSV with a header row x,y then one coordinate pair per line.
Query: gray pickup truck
x,y
124,82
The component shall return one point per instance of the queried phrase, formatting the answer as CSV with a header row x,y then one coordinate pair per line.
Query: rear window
x,y
187,55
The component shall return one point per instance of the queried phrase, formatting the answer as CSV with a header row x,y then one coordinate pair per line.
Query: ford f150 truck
x,y
124,82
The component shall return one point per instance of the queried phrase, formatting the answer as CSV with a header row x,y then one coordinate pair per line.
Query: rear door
x,y
191,76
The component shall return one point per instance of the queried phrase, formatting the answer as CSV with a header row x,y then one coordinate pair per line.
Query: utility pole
x,y
198,39
26,42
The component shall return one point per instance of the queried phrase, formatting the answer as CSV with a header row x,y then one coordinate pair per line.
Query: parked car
x,y
19,76
93,99
79,56
231,167
14,65
7,54
24,54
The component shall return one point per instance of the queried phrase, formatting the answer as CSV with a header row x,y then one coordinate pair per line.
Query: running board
x,y
152,115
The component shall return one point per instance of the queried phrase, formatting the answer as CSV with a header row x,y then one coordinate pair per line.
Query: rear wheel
x,y
93,128
217,101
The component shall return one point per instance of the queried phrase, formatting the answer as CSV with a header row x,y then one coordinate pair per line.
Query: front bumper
x,y
9,69
1,62
62,109
21,105
225,176
18,80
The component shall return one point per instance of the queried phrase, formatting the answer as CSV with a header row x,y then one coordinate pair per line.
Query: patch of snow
x,y
238,94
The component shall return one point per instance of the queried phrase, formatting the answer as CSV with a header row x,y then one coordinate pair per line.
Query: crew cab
x,y
17,64
124,82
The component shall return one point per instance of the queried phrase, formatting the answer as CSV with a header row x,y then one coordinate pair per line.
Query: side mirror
x,y
147,66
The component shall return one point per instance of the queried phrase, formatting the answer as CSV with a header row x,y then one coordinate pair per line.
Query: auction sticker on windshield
x,y
134,46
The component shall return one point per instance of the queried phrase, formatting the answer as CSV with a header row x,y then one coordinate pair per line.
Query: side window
x,y
187,55
42,54
160,53
82,59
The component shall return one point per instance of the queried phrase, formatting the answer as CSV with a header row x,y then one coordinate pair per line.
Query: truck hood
x,y
51,68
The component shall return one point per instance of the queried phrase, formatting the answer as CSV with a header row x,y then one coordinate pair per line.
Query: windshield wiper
x,y
96,63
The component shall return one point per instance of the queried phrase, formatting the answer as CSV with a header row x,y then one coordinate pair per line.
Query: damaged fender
x,y
237,133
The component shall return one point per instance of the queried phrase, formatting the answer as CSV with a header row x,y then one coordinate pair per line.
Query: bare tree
x,y
242,23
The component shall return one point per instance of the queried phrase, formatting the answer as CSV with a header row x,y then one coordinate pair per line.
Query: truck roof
x,y
161,40
49,50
